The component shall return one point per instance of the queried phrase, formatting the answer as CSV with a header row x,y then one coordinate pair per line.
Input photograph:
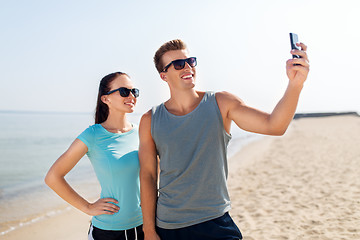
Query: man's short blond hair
x,y
172,45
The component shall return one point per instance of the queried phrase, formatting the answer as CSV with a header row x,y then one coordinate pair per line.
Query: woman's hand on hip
x,y
103,206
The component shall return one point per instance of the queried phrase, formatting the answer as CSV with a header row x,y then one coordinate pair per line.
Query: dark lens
x,y
135,92
179,64
124,92
191,61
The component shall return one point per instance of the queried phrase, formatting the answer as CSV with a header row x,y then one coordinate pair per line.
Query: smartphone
x,y
293,40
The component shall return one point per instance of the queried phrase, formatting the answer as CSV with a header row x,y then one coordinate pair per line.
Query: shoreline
x,y
42,204
68,223
62,211
276,192
15,225
38,202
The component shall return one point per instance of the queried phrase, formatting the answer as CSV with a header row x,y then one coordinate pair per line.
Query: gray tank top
x,y
193,164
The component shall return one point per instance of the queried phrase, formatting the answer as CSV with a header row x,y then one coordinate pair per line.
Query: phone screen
x,y
293,40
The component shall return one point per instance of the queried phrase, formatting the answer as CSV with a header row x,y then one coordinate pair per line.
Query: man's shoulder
x,y
225,99
224,96
145,120
147,114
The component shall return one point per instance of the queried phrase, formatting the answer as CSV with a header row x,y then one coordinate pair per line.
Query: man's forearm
x,y
284,111
148,201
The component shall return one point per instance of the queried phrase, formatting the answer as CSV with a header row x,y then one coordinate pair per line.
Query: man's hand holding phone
x,y
297,68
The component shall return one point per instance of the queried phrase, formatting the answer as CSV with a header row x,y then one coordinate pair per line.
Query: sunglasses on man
x,y
125,92
180,63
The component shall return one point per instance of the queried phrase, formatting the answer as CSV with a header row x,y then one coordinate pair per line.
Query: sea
x,y
30,142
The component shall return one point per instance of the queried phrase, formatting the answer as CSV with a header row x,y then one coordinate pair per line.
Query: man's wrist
x,y
295,86
149,231
149,228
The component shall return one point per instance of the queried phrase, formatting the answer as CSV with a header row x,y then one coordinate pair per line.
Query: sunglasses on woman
x,y
180,63
125,92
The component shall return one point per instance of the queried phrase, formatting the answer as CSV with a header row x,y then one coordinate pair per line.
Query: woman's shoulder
x,y
92,129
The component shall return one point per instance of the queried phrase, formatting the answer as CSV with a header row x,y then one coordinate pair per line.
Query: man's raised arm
x,y
250,119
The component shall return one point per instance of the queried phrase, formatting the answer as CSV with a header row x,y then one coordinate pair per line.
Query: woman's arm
x,y
55,179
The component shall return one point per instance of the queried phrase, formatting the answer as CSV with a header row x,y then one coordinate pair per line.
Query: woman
x,y
112,147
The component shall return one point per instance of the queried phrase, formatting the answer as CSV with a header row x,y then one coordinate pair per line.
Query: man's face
x,y
183,78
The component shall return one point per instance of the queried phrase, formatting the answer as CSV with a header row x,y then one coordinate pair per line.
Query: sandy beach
x,y
303,185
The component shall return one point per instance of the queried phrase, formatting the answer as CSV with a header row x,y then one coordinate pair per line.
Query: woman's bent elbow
x,y
49,179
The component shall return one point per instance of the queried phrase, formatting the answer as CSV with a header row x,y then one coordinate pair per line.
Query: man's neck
x,y
183,102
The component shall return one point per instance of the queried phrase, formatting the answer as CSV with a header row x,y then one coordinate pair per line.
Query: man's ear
x,y
163,76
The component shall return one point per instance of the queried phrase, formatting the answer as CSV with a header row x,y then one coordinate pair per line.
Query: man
x,y
189,133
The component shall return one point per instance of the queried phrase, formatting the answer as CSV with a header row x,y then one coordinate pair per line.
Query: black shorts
x,y
222,228
129,234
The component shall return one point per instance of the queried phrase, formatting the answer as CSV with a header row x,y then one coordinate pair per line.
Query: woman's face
x,y
119,103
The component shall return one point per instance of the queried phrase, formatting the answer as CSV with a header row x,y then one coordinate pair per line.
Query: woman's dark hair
x,y
102,110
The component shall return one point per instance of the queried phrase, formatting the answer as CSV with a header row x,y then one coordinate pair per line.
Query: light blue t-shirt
x,y
114,157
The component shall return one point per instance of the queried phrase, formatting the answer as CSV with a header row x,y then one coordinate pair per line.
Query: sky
x,y
54,53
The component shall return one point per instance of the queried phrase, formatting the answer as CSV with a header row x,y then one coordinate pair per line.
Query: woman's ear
x,y
105,99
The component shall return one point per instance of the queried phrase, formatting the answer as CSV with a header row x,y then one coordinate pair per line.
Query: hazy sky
x,y
54,53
